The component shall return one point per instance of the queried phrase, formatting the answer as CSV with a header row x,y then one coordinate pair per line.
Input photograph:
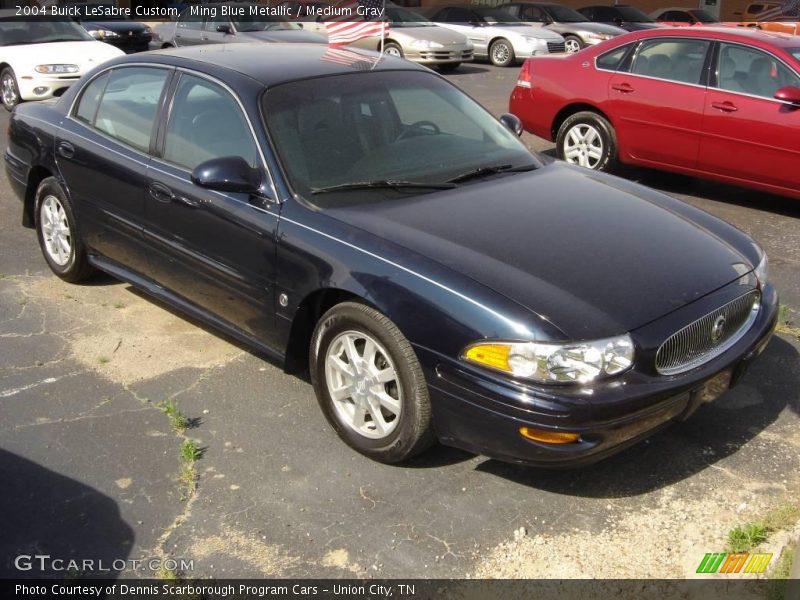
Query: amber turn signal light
x,y
549,437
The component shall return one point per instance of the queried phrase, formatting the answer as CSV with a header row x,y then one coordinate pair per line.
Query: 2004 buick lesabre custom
x,y
383,229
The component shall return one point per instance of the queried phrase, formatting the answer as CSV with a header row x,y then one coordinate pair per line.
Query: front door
x,y
747,133
216,250
659,102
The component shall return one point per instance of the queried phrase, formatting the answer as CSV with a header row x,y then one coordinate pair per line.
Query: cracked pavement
x,y
91,462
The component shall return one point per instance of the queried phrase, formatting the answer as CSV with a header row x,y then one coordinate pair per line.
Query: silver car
x,y
497,35
577,30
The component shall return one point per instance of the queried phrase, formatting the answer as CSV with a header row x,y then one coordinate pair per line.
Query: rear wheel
x,y
369,383
573,43
9,90
588,140
501,53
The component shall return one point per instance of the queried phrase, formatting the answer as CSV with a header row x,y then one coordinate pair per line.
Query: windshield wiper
x,y
483,171
383,183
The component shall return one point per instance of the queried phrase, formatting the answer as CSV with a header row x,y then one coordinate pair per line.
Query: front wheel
x,y
392,49
57,231
573,43
369,383
587,139
501,53
9,90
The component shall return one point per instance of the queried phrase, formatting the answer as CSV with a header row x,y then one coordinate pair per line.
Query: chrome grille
x,y
555,47
709,336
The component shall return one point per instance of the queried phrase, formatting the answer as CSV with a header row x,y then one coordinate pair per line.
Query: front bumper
x,y
483,413
42,87
439,56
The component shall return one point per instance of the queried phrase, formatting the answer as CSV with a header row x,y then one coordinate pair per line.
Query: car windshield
x,y
498,16
563,14
262,23
23,30
632,15
703,16
402,17
409,130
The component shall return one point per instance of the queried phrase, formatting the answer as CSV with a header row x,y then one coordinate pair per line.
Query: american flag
x,y
348,26
788,8
349,58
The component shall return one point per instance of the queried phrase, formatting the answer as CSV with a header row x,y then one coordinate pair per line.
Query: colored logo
x,y
742,562
718,328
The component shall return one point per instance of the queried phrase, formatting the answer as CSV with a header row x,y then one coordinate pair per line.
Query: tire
x,y
58,233
573,43
9,89
449,67
401,427
501,53
598,151
392,49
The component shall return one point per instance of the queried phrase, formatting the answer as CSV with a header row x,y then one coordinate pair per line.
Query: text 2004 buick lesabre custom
x,y
380,227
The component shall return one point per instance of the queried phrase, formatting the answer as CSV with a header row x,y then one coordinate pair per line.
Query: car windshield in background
x,y
498,16
633,15
563,14
403,128
261,23
795,52
401,17
23,30
704,17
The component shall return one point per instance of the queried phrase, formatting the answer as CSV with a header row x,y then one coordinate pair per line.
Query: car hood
x,y
284,35
592,254
444,36
86,55
639,26
589,27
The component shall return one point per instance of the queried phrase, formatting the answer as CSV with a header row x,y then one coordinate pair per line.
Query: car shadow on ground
x,y
714,432
45,513
468,69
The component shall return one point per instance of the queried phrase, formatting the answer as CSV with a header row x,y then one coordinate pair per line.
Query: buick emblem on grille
x,y
718,328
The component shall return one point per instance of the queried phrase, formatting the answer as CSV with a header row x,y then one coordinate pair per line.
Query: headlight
x,y
56,69
102,34
535,41
425,44
599,36
762,269
572,362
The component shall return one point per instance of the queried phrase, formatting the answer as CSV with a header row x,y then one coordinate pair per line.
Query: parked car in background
x,y
647,99
416,38
192,30
300,13
684,17
118,30
42,57
496,34
380,230
626,17
577,30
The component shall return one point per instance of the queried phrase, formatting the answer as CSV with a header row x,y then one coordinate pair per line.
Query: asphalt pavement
x,y
93,462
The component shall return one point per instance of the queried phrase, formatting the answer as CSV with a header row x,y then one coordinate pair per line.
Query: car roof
x,y
740,34
274,63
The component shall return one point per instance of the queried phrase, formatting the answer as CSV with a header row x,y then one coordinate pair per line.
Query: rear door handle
x,y
160,192
66,149
724,106
625,88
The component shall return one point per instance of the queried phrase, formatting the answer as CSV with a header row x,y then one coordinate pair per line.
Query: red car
x,y
684,17
710,102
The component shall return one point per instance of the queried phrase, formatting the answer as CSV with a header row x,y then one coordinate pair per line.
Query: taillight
x,y
525,79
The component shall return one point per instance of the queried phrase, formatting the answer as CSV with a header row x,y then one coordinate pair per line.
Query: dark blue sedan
x,y
364,219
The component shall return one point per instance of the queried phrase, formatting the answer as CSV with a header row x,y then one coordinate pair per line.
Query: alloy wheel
x,y
393,51
8,89
363,384
583,146
55,231
501,53
572,46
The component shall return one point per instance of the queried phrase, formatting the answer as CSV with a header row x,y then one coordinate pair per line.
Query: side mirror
x,y
512,123
227,174
789,94
226,29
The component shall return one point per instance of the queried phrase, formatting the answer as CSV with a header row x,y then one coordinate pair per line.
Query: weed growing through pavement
x,y
177,419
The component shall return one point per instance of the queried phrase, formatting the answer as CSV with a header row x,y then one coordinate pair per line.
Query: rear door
x,y
747,133
657,105
215,249
102,153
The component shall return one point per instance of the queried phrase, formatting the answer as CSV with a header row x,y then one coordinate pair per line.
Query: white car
x,y
496,34
40,58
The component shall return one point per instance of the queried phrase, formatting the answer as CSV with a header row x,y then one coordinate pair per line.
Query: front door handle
x,y
724,106
160,192
624,88
66,149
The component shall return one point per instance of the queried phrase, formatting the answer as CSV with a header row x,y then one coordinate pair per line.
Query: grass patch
x,y
783,517
166,574
119,305
786,322
103,360
190,451
177,419
187,477
744,538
